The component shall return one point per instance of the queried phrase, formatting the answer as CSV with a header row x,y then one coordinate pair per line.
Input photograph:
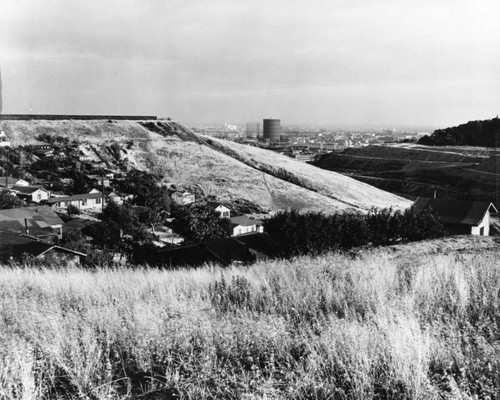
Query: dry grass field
x,y
398,323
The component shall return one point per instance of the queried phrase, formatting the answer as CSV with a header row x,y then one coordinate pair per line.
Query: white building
x,y
87,201
183,198
4,140
242,225
34,194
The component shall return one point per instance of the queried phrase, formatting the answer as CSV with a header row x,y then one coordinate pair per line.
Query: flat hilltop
x,y
406,322
225,170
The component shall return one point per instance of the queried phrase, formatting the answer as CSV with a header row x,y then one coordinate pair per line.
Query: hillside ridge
x,y
222,169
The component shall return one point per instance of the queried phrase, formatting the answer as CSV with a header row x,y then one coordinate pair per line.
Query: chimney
x,y
26,226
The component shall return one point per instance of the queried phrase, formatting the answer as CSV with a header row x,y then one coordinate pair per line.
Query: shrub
x,y
73,210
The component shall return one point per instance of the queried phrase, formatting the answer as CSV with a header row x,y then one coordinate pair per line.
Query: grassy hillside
x,y
408,322
226,170
412,170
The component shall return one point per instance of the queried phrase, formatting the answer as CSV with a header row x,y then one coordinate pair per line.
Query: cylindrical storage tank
x,y
272,130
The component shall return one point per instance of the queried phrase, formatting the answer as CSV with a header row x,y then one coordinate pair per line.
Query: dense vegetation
x,y
315,233
380,326
474,133
199,222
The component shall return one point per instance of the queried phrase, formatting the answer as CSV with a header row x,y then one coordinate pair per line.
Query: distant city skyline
x,y
363,63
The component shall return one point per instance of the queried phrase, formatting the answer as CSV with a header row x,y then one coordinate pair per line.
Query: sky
x,y
342,62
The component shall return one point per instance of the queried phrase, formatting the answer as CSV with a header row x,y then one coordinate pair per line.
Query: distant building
x,y
252,130
271,130
183,198
460,216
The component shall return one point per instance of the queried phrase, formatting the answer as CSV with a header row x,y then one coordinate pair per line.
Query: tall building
x,y
272,130
253,129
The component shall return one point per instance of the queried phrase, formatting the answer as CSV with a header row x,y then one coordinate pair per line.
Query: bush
x,y
73,210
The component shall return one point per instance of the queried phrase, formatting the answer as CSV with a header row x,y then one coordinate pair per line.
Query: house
x,y
4,140
44,150
99,180
34,194
244,249
221,209
14,245
242,225
86,201
40,222
460,216
120,198
183,198
7,182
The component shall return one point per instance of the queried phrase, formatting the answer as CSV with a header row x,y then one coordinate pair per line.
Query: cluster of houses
x,y
36,229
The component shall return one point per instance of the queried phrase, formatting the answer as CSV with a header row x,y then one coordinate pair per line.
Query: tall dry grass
x,y
330,327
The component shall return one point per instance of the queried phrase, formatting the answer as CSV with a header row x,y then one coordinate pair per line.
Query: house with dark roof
x,y
34,194
242,249
242,225
40,222
460,216
13,246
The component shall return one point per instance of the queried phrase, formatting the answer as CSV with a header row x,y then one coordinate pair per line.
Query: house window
x,y
39,196
98,200
225,214
84,202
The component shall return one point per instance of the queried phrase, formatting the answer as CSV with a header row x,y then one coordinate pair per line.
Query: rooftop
x,y
451,211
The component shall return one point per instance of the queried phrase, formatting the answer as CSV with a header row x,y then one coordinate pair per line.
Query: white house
x,y
460,216
4,140
8,181
223,211
242,225
87,201
183,198
34,194
120,198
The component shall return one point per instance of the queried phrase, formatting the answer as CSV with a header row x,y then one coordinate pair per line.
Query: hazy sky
x,y
383,62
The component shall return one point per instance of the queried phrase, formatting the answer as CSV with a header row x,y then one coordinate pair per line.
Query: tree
x,y
147,193
8,200
72,210
119,230
197,223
